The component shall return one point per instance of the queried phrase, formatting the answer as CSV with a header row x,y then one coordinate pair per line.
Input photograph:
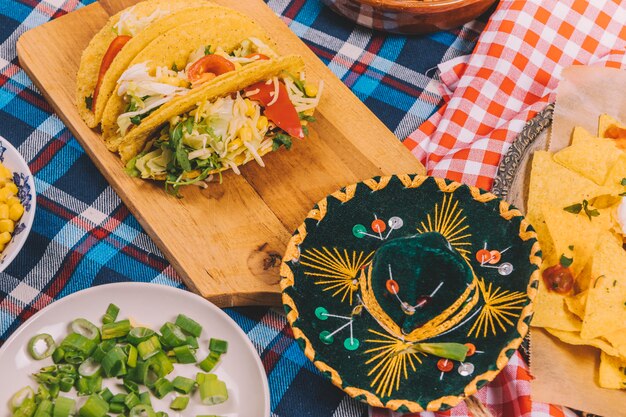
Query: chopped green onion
x,y
48,369
162,414
95,406
66,383
27,409
117,408
210,361
142,410
54,390
67,369
44,409
213,391
42,394
111,314
218,345
115,330
185,354
138,335
89,368
188,325
172,335
179,403
144,398
41,346
85,328
63,407
118,398
183,385
46,378
75,342
200,377
75,358
88,385
19,397
131,353
160,364
58,355
106,394
162,387
149,347
102,350
131,387
114,362
192,342
131,400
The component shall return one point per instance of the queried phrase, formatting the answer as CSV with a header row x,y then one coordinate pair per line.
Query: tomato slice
x,y
281,111
214,64
114,48
558,278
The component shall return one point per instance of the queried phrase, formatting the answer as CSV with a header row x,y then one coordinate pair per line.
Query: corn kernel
x,y
310,90
2,248
5,173
4,211
12,187
261,123
5,194
245,133
7,225
13,200
15,212
249,108
5,237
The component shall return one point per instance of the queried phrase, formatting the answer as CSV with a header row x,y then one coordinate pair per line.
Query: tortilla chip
x,y
590,157
550,311
91,58
613,180
617,339
223,85
573,338
580,134
577,230
604,122
553,184
605,309
576,304
612,373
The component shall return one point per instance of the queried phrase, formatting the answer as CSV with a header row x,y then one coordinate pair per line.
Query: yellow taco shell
x,y
228,83
90,61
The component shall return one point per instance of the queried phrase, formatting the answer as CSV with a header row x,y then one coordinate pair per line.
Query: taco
x,y
179,61
123,32
224,125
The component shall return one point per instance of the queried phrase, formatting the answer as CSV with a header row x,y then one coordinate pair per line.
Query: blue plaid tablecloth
x,y
84,236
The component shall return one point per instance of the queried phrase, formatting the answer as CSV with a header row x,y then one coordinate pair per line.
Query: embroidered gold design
x,y
390,358
448,220
337,271
499,306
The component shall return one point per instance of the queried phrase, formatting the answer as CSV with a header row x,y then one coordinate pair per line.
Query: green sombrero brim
x,y
327,234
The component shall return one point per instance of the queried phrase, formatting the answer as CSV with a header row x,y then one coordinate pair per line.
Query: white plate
x,y
150,305
23,178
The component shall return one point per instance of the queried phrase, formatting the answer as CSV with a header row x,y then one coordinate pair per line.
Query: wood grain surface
x,y
226,241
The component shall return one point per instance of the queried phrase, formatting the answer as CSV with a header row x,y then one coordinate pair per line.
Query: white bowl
x,y
11,158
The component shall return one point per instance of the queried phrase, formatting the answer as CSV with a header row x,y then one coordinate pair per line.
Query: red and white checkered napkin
x,y
506,396
511,76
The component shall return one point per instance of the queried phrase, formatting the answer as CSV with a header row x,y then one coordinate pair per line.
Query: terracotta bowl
x,y
410,16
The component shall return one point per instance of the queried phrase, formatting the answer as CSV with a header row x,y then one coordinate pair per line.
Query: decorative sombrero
x,y
411,292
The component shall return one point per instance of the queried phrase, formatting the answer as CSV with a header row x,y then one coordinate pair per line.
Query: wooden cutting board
x,y
226,241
